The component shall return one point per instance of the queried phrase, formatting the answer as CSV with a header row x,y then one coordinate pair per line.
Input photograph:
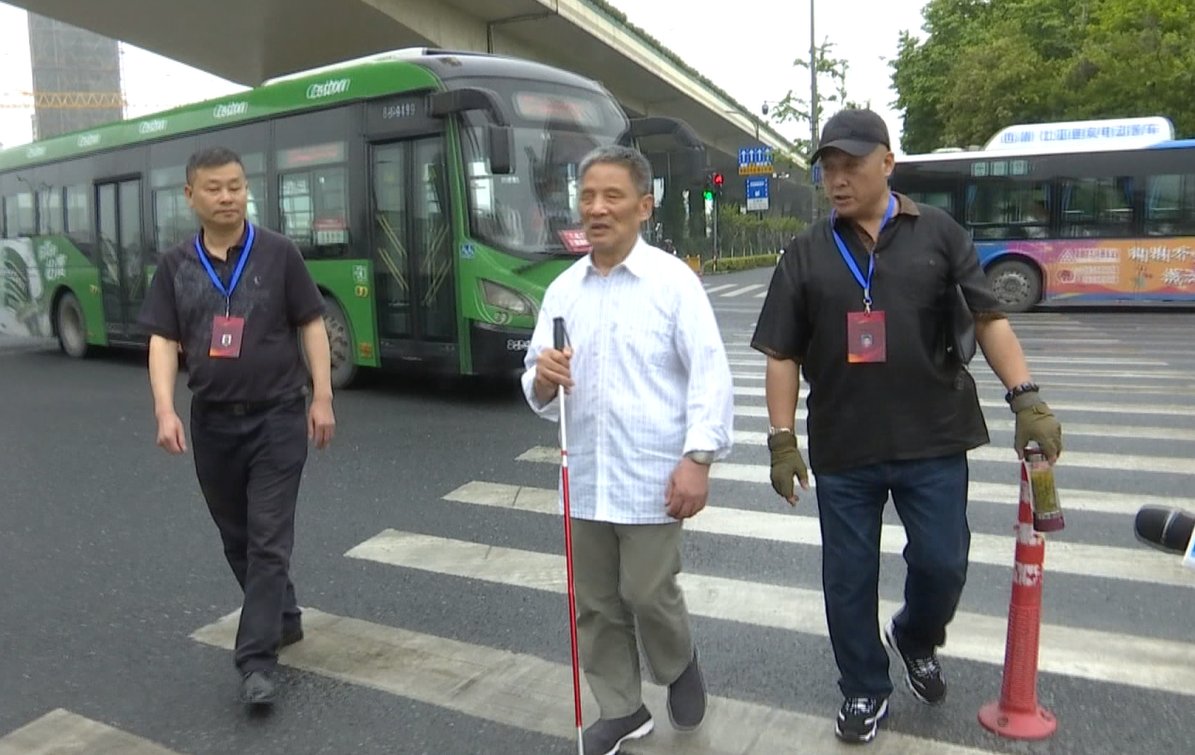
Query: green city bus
x,y
432,193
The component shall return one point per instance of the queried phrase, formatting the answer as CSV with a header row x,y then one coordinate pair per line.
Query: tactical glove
x,y
1036,423
786,463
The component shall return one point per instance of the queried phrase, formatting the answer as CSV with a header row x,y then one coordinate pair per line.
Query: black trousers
x,y
249,460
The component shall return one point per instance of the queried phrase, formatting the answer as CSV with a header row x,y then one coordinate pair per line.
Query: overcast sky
x,y
746,47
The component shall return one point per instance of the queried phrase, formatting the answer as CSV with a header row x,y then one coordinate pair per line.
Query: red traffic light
x,y
717,179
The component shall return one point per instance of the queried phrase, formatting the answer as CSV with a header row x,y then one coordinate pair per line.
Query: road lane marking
x,y
1138,564
1071,651
61,732
533,694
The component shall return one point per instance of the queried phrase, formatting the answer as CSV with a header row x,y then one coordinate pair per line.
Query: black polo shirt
x,y
275,296
915,405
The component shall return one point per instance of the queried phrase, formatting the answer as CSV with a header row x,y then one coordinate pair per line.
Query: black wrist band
x,y
1020,390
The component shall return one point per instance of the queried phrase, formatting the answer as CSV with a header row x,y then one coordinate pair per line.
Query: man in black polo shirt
x,y
860,301
238,298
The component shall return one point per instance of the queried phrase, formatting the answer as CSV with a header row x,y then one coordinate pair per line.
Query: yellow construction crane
x,y
64,100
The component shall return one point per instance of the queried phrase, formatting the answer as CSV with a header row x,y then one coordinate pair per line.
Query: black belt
x,y
245,407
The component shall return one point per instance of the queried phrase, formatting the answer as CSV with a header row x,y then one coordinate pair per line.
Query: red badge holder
x,y
866,337
226,337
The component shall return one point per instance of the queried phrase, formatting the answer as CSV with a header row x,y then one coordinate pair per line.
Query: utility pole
x,y
813,107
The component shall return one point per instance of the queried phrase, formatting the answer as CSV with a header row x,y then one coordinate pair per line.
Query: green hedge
x,y
731,264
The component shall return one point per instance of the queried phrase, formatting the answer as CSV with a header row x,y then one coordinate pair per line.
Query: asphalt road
x,y
428,560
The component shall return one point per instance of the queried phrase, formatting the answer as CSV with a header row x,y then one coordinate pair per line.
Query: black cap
x,y
856,132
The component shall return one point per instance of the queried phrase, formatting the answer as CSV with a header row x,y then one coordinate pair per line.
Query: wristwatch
x,y
701,457
1020,390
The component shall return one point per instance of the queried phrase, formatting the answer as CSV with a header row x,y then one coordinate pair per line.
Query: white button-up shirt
x,y
651,381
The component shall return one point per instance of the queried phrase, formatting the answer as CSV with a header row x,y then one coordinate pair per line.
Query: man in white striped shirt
x,y
650,408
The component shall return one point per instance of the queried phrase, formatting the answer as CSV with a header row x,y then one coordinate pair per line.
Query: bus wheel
x,y
1016,283
68,322
344,370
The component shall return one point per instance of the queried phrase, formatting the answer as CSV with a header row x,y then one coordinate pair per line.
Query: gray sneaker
x,y
606,735
686,698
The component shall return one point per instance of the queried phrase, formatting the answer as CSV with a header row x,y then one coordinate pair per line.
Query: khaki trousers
x,y
625,576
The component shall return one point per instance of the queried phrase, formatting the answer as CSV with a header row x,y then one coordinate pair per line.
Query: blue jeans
x,y
931,498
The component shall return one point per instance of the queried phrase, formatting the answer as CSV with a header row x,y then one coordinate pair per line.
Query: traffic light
x,y
713,186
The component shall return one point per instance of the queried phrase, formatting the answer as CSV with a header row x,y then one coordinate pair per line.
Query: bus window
x,y
314,201
525,211
257,198
173,222
49,211
255,180
943,200
1007,209
1170,208
19,214
1094,207
78,211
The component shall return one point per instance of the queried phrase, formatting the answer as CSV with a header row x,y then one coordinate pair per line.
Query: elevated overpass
x,y
251,41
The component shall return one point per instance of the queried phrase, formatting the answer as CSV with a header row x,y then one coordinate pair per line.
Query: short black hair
x,y
211,157
628,157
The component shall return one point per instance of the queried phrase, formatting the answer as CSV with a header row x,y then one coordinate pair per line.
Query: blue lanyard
x,y
871,258
236,274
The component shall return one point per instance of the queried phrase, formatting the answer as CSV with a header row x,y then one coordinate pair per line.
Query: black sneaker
x,y
257,688
923,673
686,698
859,718
606,735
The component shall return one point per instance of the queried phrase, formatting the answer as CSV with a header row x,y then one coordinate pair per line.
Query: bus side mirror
x,y
499,137
691,160
501,149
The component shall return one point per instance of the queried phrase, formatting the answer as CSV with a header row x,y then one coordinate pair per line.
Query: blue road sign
x,y
757,194
755,161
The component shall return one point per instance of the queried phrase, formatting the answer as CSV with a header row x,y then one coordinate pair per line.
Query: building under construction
x,y
76,78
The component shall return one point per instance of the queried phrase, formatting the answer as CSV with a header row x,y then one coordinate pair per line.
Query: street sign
x,y
757,194
755,161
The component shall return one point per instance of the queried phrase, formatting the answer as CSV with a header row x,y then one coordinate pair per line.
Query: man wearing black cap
x,y
860,301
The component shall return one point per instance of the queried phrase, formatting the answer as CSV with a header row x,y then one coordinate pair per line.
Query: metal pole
x,y
813,105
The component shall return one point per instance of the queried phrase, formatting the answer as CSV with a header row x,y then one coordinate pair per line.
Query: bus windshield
x,y
534,210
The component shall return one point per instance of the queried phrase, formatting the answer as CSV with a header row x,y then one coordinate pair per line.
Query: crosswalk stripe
x,y
533,694
1116,407
762,294
1069,428
61,732
994,386
1102,561
1073,651
1039,372
743,290
721,287
1082,459
1176,389
1073,499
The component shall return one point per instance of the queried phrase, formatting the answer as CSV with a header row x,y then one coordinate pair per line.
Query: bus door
x,y
411,243
121,253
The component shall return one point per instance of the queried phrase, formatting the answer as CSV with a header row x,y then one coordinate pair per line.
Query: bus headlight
x,y
503,297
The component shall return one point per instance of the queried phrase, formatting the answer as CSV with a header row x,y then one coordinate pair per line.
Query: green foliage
x,y
831,91
751,234
731,264
988,64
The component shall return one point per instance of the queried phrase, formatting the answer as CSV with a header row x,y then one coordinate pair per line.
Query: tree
x,y
987,64
795,108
